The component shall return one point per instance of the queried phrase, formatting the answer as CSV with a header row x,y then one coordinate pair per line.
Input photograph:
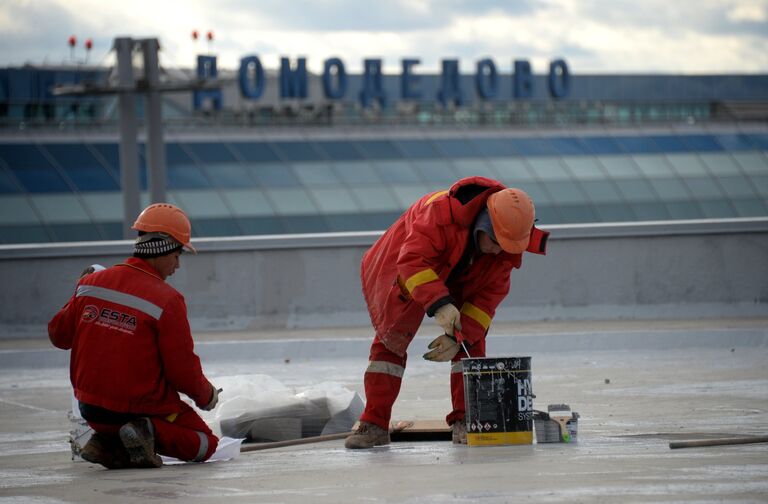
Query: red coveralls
x,y
132,353
418,265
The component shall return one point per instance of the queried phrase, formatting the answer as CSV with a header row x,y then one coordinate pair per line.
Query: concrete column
x,y
153,112
129,155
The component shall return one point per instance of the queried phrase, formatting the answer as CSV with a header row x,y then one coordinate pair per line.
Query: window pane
x,y
104,207
176,155
357,173
761,184
614,212
703,187
215,227
261,225
670,188
346,222
636,190
7,184
547,168
650,211
717,209
601,191
74,232
17,210
633,145
736,187
473,168
669,143
701,143
436,172
455,147
565,192
619,166
248,203
377,149
737,142
512,171
60,208
273,175
407,195
687,165
228,175
417,149
684,210
108,153
291,202
305,224
567,146
296,151
202,204
577,214
532,146
584,167
396,172
753,163
600,145
342,151
313,174
336,200
255,152
23,234
750,207
653,166
720,164
87,173
378,199
211,152
494,147
186,177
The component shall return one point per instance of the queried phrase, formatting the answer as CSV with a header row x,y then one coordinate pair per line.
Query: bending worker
x,y
132,353
450,255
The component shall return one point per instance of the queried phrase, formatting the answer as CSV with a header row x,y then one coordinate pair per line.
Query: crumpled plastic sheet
x,y
260,408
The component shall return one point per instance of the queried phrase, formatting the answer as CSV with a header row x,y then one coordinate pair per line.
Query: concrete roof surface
x,y
636,384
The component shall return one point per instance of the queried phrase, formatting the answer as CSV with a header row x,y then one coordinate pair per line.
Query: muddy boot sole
x,y
140,445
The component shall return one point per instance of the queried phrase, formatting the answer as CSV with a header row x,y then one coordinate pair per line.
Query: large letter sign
x,y
559,79
251,77
206,69
293,83
373,88
330,67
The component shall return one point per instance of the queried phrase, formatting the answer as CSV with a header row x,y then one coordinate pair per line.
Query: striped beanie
x,y
483,223
149,245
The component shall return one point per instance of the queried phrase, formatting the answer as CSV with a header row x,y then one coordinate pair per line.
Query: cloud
x,y
594,36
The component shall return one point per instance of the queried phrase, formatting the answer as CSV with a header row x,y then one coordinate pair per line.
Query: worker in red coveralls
x,y
450,255
132,353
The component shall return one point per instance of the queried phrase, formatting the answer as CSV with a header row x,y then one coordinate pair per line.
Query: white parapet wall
x,y
677,269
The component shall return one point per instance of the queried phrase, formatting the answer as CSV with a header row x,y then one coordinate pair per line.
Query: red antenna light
x,y
72,41
209,35
195,34
89,44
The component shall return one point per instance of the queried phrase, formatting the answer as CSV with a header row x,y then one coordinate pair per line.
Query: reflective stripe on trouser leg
x,y
203,448
382,384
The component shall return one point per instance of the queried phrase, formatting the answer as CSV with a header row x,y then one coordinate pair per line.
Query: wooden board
x,y
421,430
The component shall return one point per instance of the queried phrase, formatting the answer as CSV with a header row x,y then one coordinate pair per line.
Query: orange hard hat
x,y
512,215
168,219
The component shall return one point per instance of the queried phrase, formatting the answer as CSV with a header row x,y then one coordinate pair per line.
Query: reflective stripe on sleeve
x,y
385,368
434,197
420,278
122,298
456,367
203,447
476,314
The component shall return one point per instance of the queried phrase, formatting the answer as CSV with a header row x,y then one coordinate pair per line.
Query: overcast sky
x,y
593,36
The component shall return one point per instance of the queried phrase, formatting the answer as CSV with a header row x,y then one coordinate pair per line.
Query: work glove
x,y
444,348
448,317
214,399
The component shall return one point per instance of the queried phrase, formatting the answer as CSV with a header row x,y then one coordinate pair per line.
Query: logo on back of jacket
x,y
110,318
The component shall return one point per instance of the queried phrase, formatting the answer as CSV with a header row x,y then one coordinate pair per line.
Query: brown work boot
x,y
367,435
106,450
459,432
139,439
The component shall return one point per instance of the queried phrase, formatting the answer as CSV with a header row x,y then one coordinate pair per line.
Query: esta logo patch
x,y
117,318
90,313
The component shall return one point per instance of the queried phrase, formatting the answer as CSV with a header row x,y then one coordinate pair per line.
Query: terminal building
x,y
292,153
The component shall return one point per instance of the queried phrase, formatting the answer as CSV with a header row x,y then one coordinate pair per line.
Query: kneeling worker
x,y
132,353
450,255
